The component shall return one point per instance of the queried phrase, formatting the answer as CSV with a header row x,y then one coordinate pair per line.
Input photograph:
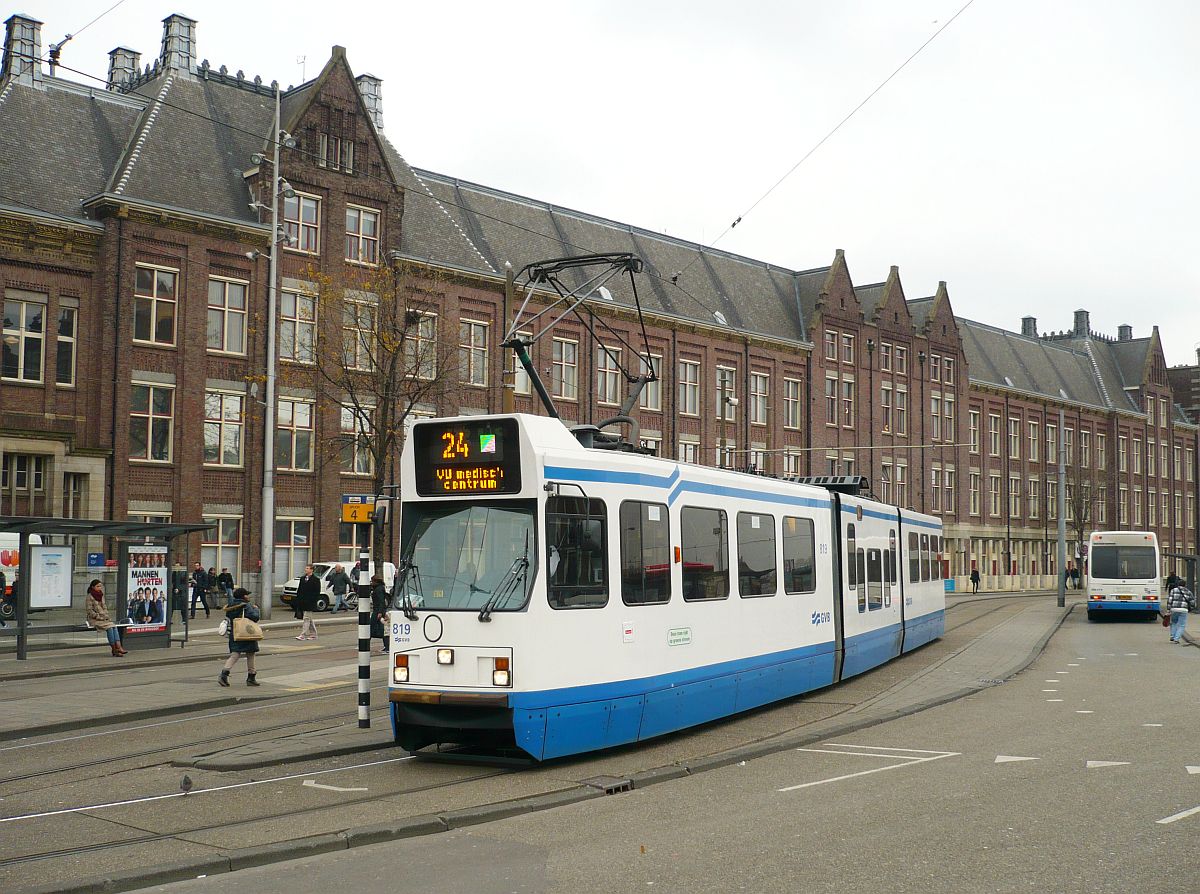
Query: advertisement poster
x,y
50,578
149,590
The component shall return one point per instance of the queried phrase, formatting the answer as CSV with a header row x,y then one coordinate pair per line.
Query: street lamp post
x,y
266,555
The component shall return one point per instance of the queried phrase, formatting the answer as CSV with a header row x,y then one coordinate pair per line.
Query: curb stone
x,y
63,726
426,824
295,849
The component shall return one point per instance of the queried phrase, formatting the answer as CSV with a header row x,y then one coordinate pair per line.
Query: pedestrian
x,y
199,588
240,606
179,591
97,617
225,583
379,607
339,582
304,603
1179,601
974,580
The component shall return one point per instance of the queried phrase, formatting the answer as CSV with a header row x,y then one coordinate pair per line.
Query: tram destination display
x,y
467,457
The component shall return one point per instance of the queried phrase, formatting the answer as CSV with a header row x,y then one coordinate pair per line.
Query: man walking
x,y
1179,601
305,602
200,584
974,581
339,582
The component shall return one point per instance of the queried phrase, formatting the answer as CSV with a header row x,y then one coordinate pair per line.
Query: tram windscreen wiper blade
x,y
501,594
409,568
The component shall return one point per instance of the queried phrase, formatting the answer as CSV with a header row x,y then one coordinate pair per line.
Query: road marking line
x,y
886,748
1072,665
1151,724
1131,654
1054,699
1053,681
908,763
1049,690
1009,758
1085,712
1183,814
1092,765
894,757
198,791
1193,770
312,783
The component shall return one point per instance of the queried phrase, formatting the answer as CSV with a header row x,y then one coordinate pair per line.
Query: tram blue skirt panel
x,y
868,650
924,629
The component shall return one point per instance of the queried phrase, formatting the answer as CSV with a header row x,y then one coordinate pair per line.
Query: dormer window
x,y
335,153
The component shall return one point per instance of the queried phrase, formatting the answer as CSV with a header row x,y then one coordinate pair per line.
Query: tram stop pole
x,y
364,637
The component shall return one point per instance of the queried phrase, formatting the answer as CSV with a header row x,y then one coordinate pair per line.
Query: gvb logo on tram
x,y
1123,574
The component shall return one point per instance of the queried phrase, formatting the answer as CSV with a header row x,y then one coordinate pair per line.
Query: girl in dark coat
x,y
240,606
379,607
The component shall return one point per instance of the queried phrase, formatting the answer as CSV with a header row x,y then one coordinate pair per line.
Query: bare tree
x,y
389,353
1082,501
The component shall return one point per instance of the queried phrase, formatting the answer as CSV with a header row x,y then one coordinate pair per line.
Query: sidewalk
x,y
41,695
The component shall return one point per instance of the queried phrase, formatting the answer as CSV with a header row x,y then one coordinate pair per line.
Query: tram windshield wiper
x,y
408,568
508,586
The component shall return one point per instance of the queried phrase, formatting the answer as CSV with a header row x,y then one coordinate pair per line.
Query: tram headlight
x,y
445,656
400,669
500,672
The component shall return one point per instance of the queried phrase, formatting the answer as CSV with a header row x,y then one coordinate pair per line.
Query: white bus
x,y
1123,573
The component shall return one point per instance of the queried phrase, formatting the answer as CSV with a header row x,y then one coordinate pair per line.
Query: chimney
x,y
1029,326
1125,332
371,90
22,50
178,43
123,66
1082,324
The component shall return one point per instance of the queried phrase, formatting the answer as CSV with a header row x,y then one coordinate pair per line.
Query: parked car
x,y
323,569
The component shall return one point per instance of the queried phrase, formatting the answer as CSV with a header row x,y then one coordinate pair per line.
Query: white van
x,y
324,569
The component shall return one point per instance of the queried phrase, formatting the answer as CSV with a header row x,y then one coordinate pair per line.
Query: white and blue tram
x,y
561,599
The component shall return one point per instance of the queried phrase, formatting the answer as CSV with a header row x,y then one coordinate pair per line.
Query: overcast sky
x,y
1039,155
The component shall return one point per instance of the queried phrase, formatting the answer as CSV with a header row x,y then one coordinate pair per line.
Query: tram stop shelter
x,y
145,575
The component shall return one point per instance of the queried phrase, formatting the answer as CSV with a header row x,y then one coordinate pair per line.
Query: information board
x,y
50,576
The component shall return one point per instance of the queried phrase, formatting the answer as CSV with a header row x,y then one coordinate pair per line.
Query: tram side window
x,y
756,554
705,541
799,556
850,546
914,558
874,580
860,561
924,557
576,552
935,557
645,553
889,568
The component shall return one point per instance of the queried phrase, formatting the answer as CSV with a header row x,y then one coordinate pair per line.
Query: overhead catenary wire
x,y
821,142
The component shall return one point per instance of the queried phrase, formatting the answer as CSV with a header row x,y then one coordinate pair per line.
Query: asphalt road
x,y
1072,777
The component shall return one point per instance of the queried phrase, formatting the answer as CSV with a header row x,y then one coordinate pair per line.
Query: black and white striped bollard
x,y
364,640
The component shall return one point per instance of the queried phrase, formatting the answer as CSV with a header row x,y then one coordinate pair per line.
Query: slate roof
x,y
920,309
63,164
751,295
1033,365
869,297
192,144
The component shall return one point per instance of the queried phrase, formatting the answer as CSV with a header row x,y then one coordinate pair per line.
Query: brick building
x,y
134,229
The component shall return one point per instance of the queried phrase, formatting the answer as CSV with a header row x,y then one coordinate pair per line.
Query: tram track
x,y
227,825
163,755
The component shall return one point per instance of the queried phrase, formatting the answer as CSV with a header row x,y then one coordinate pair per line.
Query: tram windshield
x,y
1124,562
466,554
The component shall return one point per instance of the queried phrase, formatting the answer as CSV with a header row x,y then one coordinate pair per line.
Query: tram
x,y
1123,569
557,598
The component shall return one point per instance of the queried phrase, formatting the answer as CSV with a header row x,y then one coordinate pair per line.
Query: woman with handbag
x,y
241,616
98,617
